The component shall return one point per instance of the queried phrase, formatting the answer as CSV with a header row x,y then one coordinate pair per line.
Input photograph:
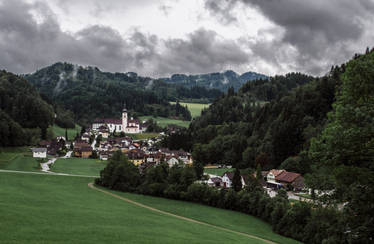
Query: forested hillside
x,y
24,116
268,120
222,81
90,93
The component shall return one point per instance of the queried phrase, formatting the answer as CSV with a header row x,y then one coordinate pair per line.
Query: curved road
x,y
91,185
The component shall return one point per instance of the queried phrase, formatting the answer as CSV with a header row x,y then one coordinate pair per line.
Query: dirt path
x,y
91,185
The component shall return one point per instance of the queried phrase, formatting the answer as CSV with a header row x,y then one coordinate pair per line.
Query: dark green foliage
x,y
222,81
299,221
152,126
24,116
237,180
119,174
64,118
236,129
90,93
343,154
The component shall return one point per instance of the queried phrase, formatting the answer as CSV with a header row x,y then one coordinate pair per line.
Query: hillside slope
x,y
24,116
221,81
90,93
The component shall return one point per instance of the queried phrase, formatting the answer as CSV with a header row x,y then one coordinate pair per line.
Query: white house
x,y
39,152
172,161
215,181
227,179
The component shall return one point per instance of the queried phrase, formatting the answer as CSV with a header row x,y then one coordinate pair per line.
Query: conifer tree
x,y
345,149
237,180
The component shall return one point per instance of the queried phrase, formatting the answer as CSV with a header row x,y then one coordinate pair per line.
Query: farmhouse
x,y
124,124
284,179
39,152
228,177
82,150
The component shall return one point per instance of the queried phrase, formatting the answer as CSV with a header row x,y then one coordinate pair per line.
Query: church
x,y
129,126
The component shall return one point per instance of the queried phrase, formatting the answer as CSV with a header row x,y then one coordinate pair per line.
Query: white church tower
x,y
124,118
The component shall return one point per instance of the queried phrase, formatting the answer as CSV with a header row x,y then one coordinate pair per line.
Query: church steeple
x,y
124,108
124,118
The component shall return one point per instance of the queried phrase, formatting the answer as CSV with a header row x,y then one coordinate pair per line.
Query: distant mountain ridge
x,y
222,81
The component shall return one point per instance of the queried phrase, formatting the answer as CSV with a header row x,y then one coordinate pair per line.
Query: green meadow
x,y
62,209
218,172
195,108
78,166
18,158
163,122
42,208
143,136
58,131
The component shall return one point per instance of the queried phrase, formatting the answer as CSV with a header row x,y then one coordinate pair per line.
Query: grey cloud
x,y
222,10
203,51
26,45
319,33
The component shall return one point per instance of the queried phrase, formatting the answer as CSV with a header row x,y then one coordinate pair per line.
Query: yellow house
x,y
137,162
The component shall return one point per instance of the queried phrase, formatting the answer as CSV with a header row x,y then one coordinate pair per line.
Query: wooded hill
x,y
270,120
90,93
24,116
222,81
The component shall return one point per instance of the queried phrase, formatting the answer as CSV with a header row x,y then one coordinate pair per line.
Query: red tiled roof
x,y
287,176
277,172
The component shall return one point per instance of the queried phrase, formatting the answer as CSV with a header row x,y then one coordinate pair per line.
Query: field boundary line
x,y
91,185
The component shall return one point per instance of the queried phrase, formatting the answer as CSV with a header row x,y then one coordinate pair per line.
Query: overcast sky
x,y
162,37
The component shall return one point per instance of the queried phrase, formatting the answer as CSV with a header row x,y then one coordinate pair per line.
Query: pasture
x,y
58,131
62,209
78,166
195,108
163,122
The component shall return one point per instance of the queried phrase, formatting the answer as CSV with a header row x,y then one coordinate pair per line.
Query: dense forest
x,y
221,81
324,128
90,93
274,119
24,115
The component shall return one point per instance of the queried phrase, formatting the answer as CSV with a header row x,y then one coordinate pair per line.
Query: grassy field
x,y
78,166
219,172
58,131
220,217
18,158
163,122
195,108
143,136
62,209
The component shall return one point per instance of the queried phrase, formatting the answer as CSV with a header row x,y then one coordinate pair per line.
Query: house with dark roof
x,y
215,181
283,179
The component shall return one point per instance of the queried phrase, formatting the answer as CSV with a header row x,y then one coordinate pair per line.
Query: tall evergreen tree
x,y
345,150
237,180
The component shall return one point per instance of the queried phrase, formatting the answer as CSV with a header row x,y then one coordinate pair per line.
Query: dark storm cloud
x,y
203,51
27,44
322,32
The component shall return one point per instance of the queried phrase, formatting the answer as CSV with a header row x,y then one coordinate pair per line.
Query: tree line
x,y
309,223
24,115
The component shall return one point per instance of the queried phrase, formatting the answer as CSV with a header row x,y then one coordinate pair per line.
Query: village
x,y
106,136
